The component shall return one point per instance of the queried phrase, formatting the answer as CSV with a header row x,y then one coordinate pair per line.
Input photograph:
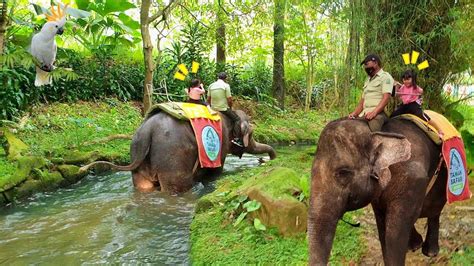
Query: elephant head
x,y
350,168
250,145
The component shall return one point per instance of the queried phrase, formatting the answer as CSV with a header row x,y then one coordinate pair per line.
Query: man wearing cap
x,y
377,91
220,99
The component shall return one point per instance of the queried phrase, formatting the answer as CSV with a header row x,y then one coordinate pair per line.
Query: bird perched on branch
x,y
43,45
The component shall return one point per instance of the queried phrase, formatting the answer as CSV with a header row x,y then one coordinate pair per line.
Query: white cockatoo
x,y
43,45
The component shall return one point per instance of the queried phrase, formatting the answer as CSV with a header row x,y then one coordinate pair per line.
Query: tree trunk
x,y
278,52
352,54
147,54
309,82
3,25
220,39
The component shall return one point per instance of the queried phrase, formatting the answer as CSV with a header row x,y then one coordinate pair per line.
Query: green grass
x,y
463,257
216,241
291,126
60,128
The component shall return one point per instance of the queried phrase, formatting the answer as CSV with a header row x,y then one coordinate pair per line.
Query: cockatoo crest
x,y
58,15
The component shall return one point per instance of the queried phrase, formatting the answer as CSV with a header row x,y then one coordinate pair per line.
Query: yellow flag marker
x,y
183,69
179,76
406,58
414,56
195,67
423,65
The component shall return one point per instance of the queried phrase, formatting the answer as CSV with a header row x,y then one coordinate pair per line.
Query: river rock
x,y
78,157
275,190
71,173
25,164
14,147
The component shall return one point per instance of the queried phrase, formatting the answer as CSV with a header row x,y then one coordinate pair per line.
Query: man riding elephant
x,y
220,99
377,92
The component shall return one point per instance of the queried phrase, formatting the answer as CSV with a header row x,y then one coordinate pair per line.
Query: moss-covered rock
x,y
51,180
275,189
78,157
14,146
71,173
203,205
28,188
24,164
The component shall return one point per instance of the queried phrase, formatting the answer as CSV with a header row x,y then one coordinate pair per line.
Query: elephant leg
x,y
380,219
177,182
415,240
142,183
431,246
143,179
399,221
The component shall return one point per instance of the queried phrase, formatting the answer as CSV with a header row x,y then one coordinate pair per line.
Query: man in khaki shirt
x,y
220,99
377,92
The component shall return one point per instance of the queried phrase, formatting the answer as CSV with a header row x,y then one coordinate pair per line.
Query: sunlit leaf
x,y
240,218
258,225
39,9
129,22
77,13
252,205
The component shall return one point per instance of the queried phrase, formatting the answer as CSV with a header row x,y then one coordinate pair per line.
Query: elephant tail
x,y
139,149
129,167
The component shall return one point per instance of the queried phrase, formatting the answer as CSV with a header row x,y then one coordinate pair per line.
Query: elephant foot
x,y
430,250
416,241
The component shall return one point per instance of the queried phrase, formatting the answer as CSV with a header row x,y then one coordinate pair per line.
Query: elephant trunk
x,y
259,148
322,222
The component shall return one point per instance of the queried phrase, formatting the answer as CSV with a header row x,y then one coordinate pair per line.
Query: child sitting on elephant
x,y
195,90
410,95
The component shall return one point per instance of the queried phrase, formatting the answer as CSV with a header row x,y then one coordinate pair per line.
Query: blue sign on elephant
x,y
457,175
211,142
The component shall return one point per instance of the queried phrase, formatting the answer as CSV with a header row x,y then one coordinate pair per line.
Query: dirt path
x,y
456,233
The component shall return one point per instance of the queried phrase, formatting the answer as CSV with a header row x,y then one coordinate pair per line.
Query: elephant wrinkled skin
x,y
390,170
164,153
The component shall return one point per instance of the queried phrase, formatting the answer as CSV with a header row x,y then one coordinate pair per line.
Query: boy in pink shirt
x,y
410,94
195,90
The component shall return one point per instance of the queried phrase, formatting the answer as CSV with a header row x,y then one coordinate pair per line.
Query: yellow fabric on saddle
x,y
193,110
183,111
448,129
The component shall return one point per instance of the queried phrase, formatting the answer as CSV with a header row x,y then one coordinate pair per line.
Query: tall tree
x,y
303,31
3,24
278,84
353,52
396,27
220,36
145,21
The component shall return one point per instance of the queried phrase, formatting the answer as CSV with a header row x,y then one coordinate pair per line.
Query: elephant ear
x,y
387,149
246,130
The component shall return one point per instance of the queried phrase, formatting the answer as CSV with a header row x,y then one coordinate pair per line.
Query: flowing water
x,y
103,220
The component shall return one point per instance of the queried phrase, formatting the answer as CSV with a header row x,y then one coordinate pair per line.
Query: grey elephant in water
x,y
164,152
390,170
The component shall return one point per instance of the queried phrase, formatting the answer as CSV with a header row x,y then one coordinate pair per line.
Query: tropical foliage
x,y
100,54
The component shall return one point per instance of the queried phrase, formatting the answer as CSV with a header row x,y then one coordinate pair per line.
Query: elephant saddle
x,y
453,153
206,125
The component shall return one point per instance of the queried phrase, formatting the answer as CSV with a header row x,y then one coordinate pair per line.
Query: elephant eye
x,y
344,173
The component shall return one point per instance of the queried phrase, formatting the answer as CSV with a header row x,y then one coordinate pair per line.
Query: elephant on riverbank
x,y
164,152
390,170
